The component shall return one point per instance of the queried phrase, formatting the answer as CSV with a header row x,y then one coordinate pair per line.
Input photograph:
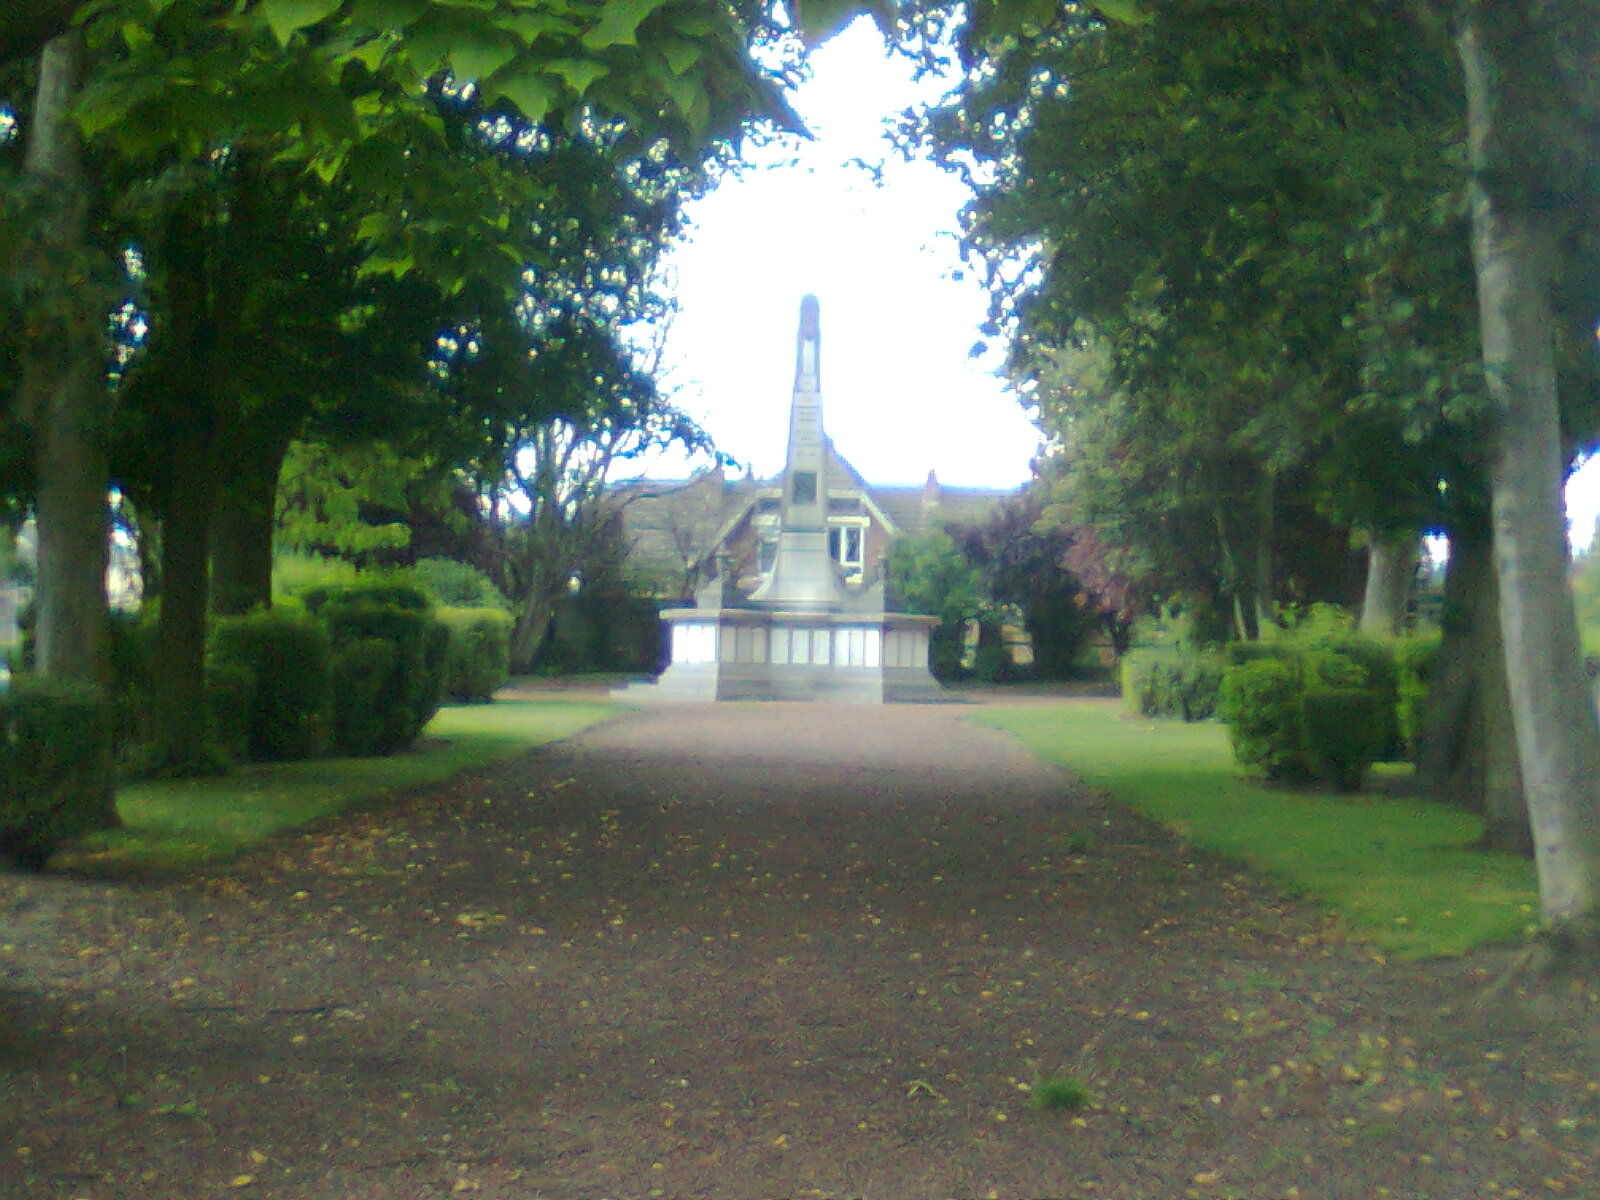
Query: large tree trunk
x,y
182,716
188,498
1514,247
1391,566
1448,722
63,394
241,536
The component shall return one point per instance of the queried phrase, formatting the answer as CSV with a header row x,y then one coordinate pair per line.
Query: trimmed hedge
x,y
403,688
1315,707
56,772
478,654
287,653
1172,682
1345,732
1261,703
381,593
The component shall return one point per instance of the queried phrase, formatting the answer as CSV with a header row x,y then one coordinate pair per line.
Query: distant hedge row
x,y
356,669
352,669
1320,703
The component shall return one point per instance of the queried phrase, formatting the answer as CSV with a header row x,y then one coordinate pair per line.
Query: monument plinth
x,y
802,633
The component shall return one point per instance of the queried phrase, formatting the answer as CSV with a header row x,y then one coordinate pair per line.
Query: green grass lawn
x,y
174,824
1399,871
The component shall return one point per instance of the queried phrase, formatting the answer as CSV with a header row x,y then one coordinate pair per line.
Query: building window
x,y
844,545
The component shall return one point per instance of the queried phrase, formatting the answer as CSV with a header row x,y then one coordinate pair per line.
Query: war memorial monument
x,y
803,632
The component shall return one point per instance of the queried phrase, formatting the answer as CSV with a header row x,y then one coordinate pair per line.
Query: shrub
x,y
406,692
376,592
478,654
230,698
1415,658
456,584
364,721
287,653
1261,702
56,775
1172,682
1346,729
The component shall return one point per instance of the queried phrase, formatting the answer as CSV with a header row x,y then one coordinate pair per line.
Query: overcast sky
x,y
899,317
900,394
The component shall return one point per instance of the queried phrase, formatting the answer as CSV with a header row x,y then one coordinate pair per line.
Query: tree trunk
x,y
241,536
533,620
1505,807
1391,565
63,394
182,717
1558,739
1443,740
1263,579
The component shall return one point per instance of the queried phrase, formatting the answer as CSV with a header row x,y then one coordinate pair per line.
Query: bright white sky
x,y
901,394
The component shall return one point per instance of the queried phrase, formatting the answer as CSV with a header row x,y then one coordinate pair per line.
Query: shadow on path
x,y
756,950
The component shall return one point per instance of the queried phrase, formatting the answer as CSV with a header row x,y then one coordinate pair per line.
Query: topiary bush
x,y
287,654
1261,701
477,658
230,699
1346,730
405,690
56,772
364,720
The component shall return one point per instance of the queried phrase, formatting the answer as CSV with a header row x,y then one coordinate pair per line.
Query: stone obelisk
x,y
803,576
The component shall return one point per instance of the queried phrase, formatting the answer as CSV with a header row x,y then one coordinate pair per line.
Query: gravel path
x,y
757,950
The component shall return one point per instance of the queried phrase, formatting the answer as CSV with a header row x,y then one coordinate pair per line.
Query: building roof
x,y
677,525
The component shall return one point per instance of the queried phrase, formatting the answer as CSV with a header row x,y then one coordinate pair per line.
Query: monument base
x,y
760,654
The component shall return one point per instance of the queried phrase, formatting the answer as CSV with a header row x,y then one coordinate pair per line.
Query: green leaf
x,y
681,56
619,23
480,58
531,25
529,90
577,73
286,17
386,16
1122,12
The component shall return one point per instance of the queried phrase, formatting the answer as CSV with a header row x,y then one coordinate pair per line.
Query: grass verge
x,y
1400,872
176,824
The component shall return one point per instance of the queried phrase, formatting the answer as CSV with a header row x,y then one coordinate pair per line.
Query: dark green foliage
x,y
1415,658
1261,702
406,692
928,573
478,655
602,630
364,718
230,693
130,650
1175,681
1346,731
1267,698
380,593
288,654
56,774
